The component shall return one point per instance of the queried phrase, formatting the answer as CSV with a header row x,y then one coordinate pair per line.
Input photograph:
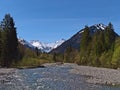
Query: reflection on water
x,y
50,78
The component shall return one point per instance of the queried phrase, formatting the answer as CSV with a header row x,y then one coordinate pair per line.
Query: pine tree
x,y
98,43
54,57
5,51
84,45
37,51
67,55
0,43
9,41
109,36
85,38
70,54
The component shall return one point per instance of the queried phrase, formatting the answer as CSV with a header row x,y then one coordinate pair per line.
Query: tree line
x,y
100,48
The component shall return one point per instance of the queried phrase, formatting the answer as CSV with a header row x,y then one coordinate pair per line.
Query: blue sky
x,y
51,20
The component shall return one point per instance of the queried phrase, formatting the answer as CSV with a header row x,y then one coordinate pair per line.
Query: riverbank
x,y
6,76
4,71
11,79
92,75
95,75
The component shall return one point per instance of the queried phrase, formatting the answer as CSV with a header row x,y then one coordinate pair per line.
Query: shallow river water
x,y
49,78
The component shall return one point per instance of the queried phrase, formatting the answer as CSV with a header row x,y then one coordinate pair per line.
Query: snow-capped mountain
x,y
44,47
61,45
25,43
75,40
99,26
95,28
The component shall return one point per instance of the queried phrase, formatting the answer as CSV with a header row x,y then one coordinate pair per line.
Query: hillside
x,y
97,45
75,40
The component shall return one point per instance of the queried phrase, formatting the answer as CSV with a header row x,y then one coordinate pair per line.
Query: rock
x,y
99,75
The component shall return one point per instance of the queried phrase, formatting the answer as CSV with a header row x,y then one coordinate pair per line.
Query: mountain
x,y
44,47
25,43
74,41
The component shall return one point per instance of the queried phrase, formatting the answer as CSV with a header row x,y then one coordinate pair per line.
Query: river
x,y
49,78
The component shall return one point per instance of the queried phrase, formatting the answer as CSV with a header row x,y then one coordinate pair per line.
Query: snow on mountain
x,y
95,27
25,43
100,26
75,40
44,47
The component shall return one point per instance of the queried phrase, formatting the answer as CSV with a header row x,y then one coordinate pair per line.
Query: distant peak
x,y
100,26
95,27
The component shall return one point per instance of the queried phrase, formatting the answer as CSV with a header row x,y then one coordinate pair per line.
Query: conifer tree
x,y
9,41
70,54
85,38
5,52
0,43
37,51
54,57
84,45
109,36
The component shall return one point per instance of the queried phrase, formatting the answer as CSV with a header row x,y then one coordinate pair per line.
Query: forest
x,y
101,49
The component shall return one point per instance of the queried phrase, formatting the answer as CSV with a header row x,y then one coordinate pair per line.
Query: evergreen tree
x,y
5,51
67,55
85,38
101,40
109,36
9,41
0,43
84,45
54,57
98,43
37,51
70,54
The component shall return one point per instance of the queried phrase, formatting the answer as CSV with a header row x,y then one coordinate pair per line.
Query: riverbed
x,y
52,77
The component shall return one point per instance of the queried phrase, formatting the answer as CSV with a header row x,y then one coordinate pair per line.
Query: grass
x,y
31,62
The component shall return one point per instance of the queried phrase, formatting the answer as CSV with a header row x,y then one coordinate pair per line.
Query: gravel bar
x,y
97,75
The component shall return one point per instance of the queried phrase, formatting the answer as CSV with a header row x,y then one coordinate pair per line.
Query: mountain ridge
x,y
44,47
74,41
60,45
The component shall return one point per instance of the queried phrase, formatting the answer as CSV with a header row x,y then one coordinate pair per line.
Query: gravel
x,y
59,76
11,80
98,75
